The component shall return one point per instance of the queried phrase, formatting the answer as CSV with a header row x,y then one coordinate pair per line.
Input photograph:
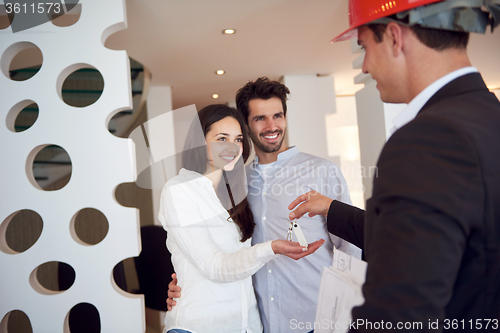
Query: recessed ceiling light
x,y
220,72
228,31
215,96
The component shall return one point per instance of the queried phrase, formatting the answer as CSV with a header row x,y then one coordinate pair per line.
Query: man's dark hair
x,y
434,38
262,88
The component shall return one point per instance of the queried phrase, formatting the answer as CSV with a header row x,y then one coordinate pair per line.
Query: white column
x,y
160,102
343,141
323,125
312,98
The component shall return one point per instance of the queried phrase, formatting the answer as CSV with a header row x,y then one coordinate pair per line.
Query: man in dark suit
x,y
431,231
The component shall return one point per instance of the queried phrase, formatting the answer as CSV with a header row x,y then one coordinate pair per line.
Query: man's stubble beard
x,y
266,148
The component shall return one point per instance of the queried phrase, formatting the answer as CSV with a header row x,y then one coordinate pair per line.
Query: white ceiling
x,y
182,44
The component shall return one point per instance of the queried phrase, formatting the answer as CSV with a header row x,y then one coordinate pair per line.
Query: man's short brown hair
x,y
434,38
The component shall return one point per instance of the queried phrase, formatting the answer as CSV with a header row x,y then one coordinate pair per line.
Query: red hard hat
x,y
365,11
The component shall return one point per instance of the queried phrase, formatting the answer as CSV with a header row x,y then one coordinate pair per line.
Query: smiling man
x,y
266,124
287,291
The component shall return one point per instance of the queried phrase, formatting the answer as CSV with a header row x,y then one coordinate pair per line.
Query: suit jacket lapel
x,y
461,85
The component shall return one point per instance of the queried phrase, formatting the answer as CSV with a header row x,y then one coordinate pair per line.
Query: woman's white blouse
x,y
213,267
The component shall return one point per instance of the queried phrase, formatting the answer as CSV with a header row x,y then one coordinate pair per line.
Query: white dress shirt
x,y
213,267
418,102
287,290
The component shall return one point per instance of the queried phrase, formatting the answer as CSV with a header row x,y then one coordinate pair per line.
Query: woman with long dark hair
x,y
209,225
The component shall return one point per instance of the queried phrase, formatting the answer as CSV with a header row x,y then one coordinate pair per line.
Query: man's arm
x,y
343,220
347,222
336,188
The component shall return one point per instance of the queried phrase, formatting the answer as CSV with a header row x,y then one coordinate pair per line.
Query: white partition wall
x,y
343,140
100,162
160,102
321,124
311,99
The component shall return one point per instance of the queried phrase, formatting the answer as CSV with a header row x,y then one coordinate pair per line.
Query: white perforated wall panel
x,y
100,161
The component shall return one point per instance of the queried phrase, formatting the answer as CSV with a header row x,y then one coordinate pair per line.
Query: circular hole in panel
x,y
22,116
16,321
52,277
69,18
21,61
89,226
83,318
83,87
5,19
49,167
122,277
26,118
20,231
121,120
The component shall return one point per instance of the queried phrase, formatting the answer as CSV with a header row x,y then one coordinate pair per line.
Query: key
x,y
290,231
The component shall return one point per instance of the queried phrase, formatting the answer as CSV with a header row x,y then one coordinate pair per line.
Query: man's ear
x,y
394,34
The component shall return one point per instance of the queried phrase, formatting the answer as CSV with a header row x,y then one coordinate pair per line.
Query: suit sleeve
x,y
338,189
346,222
423,208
